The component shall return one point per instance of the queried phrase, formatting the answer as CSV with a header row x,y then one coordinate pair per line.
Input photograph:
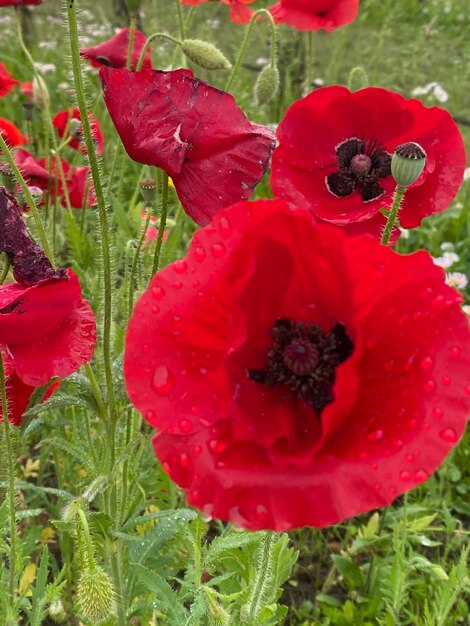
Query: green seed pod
x,y
205,54
56,611
95,596
408,162
267,85
148,189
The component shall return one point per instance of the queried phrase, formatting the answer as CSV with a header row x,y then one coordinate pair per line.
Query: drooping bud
x,y
40,92
95,596
408,162
267,85
57,611
205,54
148,189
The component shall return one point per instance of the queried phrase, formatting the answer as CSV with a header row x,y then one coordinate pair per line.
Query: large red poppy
x,y
11,133
239,12
335,149
113,52
7,82
62,120
46,328
196,133
297,376
79,183
315,14
15,3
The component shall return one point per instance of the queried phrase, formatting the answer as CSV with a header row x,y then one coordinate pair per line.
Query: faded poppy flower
x,y
239,12
288,388
315,14
335,151
62,121
18,393
11,133
196,133
113,52
7,82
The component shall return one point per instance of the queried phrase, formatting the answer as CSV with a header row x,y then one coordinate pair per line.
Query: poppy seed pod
x,y
148,189
205,54
408,163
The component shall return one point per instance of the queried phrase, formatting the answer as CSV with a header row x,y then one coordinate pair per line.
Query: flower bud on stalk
x,y
95,596
148,189
205,54
41,93
267,85
408,163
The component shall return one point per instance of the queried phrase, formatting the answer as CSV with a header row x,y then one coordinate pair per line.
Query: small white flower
x,y
6,19
440,94
457,280
45,68
447,246
213,23
318,82
48,44
446,260
466,174
466,309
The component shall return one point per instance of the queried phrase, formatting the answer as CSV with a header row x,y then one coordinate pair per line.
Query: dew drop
x,y
261,512
177,285
455,351
184,459
397,443
199,253
426,425
420,475
155,310
409,458
216,446
197,449
150,415
224,227
158,292
405,476
376,435
449,435
376,486
218,250
235,517
185,426
180,267
437,413
427,363
195,410
207,512
163,381
373,466
446,380
429,386
166,466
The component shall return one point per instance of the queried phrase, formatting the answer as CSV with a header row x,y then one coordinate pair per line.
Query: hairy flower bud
x,y
267,85
205,54
95,596
408,162
41,93
56,611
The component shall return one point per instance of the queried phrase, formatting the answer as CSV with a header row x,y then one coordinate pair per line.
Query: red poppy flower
x,y
315,14
288,388
335,150
239,12
78,182
61,121
7,82
196,133
47,328
15,3
33,172
11,133
113,52
18,393
27,90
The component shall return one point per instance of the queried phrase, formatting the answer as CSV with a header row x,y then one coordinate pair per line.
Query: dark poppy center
x,y
361,165
304,357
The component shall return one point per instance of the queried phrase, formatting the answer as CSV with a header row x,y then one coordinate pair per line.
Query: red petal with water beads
x,y
315,14
254,453
239,12
11,133
61,121
7,82
47,328
314,129
196,133
113,52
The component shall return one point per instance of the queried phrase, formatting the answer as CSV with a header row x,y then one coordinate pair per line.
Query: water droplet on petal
x,y
235,517
207,511
163,381
446,380
405,476
166,466
199,253
197,449
449,435
180,267
420,475
409,458
376,435
216,446
218,250
177,285
429,386
155,310
437,413
184,459
185,426
455,351
195,410
158,292
427,363
224,227
261,512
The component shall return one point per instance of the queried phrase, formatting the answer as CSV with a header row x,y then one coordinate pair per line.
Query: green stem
x,y
130,298
262,578
161,225
132,27
6,269
149,41
96,392
11,479
309,63
241,53
29,198
88,541
180,20
197,551
102,213
392,216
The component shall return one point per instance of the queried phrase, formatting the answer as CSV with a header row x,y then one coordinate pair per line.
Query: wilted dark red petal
x,y
113,52
315,14
196,133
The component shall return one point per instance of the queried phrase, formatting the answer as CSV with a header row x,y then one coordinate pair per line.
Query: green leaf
x,y
167,599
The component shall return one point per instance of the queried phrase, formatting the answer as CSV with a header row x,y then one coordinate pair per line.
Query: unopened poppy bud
x,y
148,189
70,510
205,54
75,127
133,5
95,596
28,108
56,611
408,162
267,85
40,92
8,178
